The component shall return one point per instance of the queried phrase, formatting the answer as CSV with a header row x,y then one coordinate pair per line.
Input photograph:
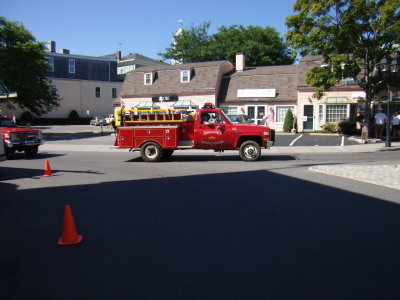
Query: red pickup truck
x,y
19,138
158,133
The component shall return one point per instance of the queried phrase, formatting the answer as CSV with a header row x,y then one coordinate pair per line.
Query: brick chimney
x,y
118,55
240,62
51,46
64,51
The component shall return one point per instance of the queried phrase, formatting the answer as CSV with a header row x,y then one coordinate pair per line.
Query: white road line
x,y
291,144
342,144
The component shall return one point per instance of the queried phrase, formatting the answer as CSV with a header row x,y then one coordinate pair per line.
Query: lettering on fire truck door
x,y
211,136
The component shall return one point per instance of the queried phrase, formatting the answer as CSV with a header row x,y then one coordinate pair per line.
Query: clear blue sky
x,y
95,28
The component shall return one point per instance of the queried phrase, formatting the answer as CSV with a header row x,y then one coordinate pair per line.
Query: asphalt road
x,y
197,227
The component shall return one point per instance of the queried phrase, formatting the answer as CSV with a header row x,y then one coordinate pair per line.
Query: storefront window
x,y
281,113
320,114
336,113
230,110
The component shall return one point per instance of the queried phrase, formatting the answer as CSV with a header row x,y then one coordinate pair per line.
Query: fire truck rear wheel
x,y
250,151
151,152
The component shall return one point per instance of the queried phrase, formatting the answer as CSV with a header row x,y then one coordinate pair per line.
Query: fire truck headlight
x,y
266,133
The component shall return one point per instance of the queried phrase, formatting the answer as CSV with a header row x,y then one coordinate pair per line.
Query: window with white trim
x,y
50,63
148,78
185,76
280,112
230,110
320,114
336,113
71,66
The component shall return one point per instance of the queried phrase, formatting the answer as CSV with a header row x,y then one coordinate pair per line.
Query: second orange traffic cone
x,y
69,234
47,170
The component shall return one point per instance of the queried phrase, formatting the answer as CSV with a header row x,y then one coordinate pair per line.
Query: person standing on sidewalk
x,y
380,121
396,124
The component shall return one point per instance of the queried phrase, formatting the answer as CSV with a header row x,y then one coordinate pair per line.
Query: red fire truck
x,y
158,133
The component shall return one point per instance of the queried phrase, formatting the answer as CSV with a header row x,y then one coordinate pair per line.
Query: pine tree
x,y
288,123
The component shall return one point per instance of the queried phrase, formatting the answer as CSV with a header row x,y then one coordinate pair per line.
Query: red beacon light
x,y
208,105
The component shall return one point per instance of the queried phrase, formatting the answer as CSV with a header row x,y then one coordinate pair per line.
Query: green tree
x,y
189,45
262,46
352,35
288,122
23,68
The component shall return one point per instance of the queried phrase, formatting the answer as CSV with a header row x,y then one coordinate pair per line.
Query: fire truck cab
x,y
158,133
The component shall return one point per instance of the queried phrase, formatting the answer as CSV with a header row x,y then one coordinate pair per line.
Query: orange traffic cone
x,y
47,170
69,234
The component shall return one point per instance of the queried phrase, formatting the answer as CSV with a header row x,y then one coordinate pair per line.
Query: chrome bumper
x,y
23,144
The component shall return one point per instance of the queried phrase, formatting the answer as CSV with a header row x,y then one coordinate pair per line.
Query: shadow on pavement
x,y
199,157
7,173
40,155
243,235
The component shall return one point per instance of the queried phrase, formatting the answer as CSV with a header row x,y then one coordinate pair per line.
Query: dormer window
x,y
148,78
185,76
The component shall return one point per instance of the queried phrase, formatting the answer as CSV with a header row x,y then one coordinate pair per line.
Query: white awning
x,y
146,105
336,100
185,103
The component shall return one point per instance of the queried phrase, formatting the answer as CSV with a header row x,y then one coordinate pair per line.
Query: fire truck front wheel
x,y
151,152
250,151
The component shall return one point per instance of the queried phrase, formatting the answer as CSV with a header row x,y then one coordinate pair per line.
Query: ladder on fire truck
x,y
151,116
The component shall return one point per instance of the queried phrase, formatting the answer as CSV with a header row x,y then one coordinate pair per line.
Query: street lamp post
x,y
389,70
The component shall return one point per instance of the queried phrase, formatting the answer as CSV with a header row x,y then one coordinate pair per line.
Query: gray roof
x,y
282,78
55,54
306,64
136,56
167,80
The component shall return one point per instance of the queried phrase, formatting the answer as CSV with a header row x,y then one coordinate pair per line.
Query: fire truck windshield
x,y
6,122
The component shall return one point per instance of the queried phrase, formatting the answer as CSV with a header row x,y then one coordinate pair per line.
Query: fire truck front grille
x,y
27,136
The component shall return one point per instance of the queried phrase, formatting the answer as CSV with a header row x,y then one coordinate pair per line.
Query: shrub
x,y
288,122
347,127
26,118
73,117
330,127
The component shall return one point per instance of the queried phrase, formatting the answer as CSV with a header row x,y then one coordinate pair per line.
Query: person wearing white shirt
x,y
396,124
380,121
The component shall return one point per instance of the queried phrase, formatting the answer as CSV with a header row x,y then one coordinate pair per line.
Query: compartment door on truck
x,y
212,136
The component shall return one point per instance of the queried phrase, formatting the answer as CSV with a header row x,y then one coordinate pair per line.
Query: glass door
x,y
309,115
256,113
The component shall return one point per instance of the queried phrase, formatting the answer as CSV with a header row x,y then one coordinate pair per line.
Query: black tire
x,y
8,152
167,153
250,151
31,151
151,152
